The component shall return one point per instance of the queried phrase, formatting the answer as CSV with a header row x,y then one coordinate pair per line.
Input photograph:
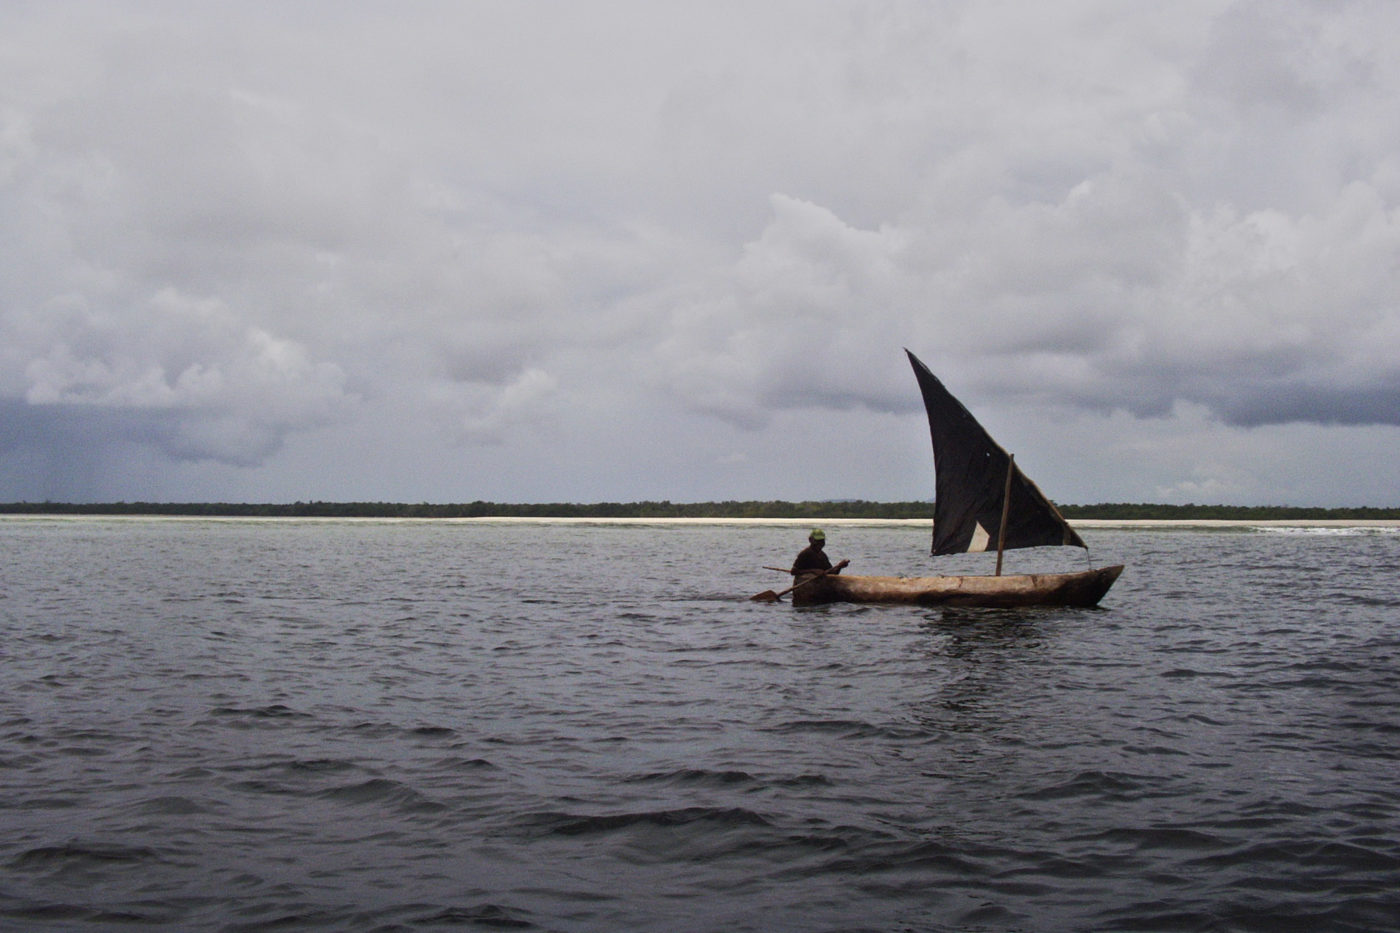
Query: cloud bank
x,y
629,250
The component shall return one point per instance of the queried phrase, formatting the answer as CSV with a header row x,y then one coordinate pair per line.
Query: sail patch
x,y
980,539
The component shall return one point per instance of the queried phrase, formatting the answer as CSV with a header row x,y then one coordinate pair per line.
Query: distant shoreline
x,y
1097,523
773,511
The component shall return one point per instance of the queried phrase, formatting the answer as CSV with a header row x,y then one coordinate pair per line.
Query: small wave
x,y
1303,854
390,728
460,763
802,780
847,728
318,766
957,861
1157,837
17,762
841,842
376,729
856,729
1339,911
257,713
480,915
570,824
1186,673
381,791
83,854
73,913
1111,784
695,777
171,806
434,732
260,786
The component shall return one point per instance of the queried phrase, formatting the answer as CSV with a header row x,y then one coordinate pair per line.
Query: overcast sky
x,y
540,251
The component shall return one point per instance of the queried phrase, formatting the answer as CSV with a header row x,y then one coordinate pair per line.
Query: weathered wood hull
x,y
1083,588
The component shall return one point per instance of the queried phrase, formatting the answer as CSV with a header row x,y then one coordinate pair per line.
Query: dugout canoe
x,y
1082,588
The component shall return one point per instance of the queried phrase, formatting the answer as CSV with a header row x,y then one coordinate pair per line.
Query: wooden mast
x,y
1005,510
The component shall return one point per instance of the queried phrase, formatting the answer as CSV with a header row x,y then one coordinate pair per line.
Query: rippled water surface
x,y
217,725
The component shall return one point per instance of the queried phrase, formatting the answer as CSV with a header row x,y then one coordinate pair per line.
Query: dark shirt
x,y
811,559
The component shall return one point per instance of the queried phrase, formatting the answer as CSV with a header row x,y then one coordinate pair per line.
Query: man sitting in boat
x,y
813,558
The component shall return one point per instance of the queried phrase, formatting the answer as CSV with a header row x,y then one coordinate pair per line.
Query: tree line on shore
x,y
774,509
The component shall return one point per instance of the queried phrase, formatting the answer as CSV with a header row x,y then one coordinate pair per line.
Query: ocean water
x,y
341,725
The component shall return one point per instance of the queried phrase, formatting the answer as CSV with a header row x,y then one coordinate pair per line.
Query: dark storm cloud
x,y
66,452
1314,405
72,451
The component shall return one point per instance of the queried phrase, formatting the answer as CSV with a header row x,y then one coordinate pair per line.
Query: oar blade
x,y
767,596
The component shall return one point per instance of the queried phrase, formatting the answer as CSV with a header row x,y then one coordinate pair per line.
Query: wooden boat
x,y
983,502
1084,588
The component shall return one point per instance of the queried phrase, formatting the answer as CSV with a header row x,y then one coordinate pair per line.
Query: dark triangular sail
x,y
971,483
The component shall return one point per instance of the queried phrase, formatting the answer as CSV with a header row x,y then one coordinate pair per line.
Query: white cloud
x,y
782,326
233,390
489,412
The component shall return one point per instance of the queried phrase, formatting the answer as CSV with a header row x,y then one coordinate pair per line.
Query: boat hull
x,y
1083,588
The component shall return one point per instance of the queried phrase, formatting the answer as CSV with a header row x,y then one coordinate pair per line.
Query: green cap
x,y
817,535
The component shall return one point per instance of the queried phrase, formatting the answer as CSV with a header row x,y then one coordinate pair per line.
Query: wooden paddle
x,y
768,596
